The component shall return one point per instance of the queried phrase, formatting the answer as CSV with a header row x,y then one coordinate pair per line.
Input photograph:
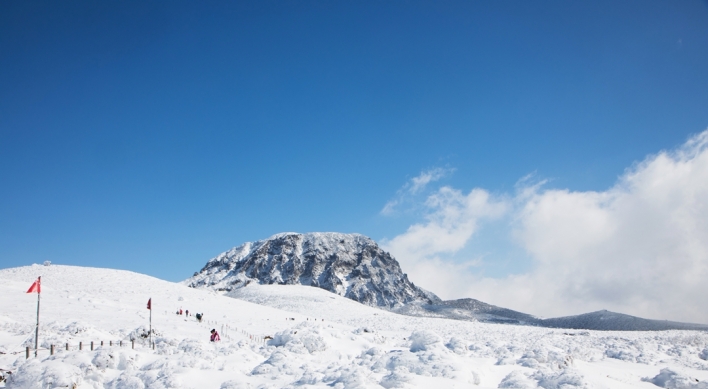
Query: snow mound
x,y
670,379
518,380
424,341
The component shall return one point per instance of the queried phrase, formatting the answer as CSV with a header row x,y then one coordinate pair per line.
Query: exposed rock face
x,y
350,265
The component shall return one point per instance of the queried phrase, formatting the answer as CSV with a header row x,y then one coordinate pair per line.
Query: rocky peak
x,y
350,265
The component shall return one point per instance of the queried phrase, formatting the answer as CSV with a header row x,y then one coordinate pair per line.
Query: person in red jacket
x,y
214,336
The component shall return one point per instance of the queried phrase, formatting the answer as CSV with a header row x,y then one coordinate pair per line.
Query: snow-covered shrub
x,y
704,354
197,354
528,362
564,379
310,377
457,346
126,381
76,328
235,385
423,340
127,360
351,377
646,358
364,330
142,334
53,374
621,354
517,380
506,360
670,379
398,378
306,339
193,347
105,359
280,362
160,374
435,362
165,346
533,358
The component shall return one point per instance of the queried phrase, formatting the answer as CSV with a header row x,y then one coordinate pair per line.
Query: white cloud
x,y
414,186
426,177
640,247
452,218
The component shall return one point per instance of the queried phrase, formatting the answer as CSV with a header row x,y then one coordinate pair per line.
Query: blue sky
x,y
153,136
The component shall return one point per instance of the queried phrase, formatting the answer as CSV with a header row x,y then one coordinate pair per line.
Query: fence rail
x,y
226,329
91,345
225,332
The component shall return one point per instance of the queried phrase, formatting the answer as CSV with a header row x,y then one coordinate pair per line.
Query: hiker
x,y
186,313
180,311
199,317
214,336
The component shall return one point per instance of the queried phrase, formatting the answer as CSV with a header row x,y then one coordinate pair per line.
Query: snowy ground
x,y
331,343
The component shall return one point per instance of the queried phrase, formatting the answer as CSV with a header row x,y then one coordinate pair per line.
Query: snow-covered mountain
x,y
354,266
350,265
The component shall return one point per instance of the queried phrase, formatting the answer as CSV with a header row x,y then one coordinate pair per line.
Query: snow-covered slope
x,y
320,340
350,265
469,309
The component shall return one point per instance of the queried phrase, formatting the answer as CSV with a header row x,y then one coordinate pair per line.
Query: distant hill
x,y
612,321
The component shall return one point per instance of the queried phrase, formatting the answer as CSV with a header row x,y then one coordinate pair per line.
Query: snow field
x,y
332,343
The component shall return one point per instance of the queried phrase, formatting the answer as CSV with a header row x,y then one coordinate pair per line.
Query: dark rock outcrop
x,y
350,265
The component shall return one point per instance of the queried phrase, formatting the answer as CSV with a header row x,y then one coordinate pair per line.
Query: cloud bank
x,y
640,247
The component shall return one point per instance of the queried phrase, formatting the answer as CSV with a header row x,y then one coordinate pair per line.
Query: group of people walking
x,y
214,334
199,316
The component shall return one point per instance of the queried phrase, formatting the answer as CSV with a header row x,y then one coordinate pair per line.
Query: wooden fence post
x,y
92,345
51,349
27,352
67,347
133,342
81,346
101,343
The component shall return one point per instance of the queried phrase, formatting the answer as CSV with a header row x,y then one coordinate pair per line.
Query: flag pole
x,y
36,330
151,324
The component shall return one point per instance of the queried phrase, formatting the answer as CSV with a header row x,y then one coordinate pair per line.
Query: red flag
x,y
35,288
150,304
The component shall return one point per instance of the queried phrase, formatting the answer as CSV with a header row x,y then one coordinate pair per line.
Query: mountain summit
x,y
350,265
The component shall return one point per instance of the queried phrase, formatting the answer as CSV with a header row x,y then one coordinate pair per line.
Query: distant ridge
x,y
611,321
